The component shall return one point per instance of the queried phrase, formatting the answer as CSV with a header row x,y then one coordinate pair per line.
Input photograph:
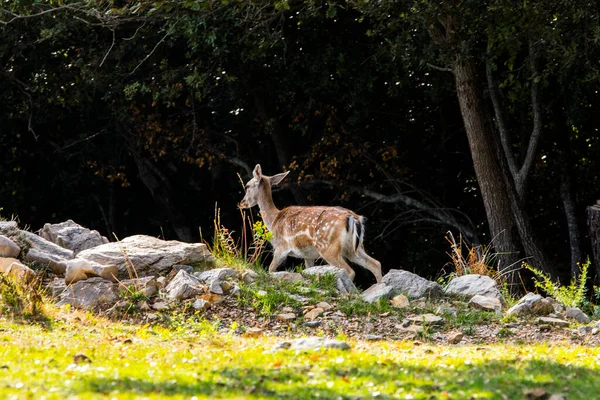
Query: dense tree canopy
x,y
465,116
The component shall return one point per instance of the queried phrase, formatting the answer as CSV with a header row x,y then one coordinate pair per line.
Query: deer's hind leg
x,y
363,259
334,257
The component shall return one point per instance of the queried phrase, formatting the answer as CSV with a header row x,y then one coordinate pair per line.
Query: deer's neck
x,y
268,211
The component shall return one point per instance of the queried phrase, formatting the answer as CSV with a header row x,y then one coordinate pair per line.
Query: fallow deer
x,y
334,234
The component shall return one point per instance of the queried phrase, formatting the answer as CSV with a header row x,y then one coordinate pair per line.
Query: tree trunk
x,y
593,213
502,224
566,194
508,221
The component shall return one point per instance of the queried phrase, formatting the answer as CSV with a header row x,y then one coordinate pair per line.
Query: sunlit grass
x,y
131,361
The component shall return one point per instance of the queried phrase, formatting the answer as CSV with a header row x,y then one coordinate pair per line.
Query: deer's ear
x,y
276,179
257,172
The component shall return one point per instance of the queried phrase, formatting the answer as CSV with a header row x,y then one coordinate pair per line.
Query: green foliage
x,y
21,300
133,296
572,295
356,306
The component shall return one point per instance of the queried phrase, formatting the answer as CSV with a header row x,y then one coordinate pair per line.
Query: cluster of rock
x,y
91,272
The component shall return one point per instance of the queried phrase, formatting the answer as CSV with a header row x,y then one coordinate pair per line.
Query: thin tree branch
x,y
534,139
136,31
111,46
74,6
155,47
504,133
444,69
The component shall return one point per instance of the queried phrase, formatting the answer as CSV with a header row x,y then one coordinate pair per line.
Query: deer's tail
x,y
355,226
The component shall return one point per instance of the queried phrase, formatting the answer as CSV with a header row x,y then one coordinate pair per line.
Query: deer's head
x,y
260,185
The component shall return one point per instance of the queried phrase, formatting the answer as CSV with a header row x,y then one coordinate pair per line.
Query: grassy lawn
x,y
195,360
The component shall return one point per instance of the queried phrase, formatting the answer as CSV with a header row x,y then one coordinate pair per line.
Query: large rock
x,y
412,285
577,314
286,276
79,269
16,270
72,236
184,286
466,286
377,292
46,253
7,227
532,304
343,282
8,248
148,255
94,293
485,303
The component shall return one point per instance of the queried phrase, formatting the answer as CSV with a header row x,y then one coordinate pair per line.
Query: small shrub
x,y
572,295
21,300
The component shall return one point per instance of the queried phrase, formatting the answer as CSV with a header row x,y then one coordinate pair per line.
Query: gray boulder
x,y
18,271
377,292
532,304
8,227
577,315
343,282
184,286
79,269
412,285
466,286
91,294
46,253
8,248
485,303
72,236
148,255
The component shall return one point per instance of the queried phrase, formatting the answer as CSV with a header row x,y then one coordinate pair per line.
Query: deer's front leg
x,y
278,258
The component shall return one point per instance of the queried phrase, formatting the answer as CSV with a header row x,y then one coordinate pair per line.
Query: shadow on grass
x,y
492,380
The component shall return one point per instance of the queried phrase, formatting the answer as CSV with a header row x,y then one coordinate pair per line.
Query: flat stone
x,y
148,255
253,332
93,293
160,305
400,301
324,305
201,304
578,315
313,314
585,330
377,292
18,271
455,338
249,276
426,319
485,303
373,337
310,344
312,324
286,276
8,248
286,317
552,321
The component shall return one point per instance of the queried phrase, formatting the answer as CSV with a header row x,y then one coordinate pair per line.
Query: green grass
x,y
131,362
268,295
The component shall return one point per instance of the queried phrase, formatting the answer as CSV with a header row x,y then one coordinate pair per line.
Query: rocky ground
x,y
150,281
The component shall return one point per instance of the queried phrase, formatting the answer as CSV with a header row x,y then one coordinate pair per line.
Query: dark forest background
x,y
478,118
